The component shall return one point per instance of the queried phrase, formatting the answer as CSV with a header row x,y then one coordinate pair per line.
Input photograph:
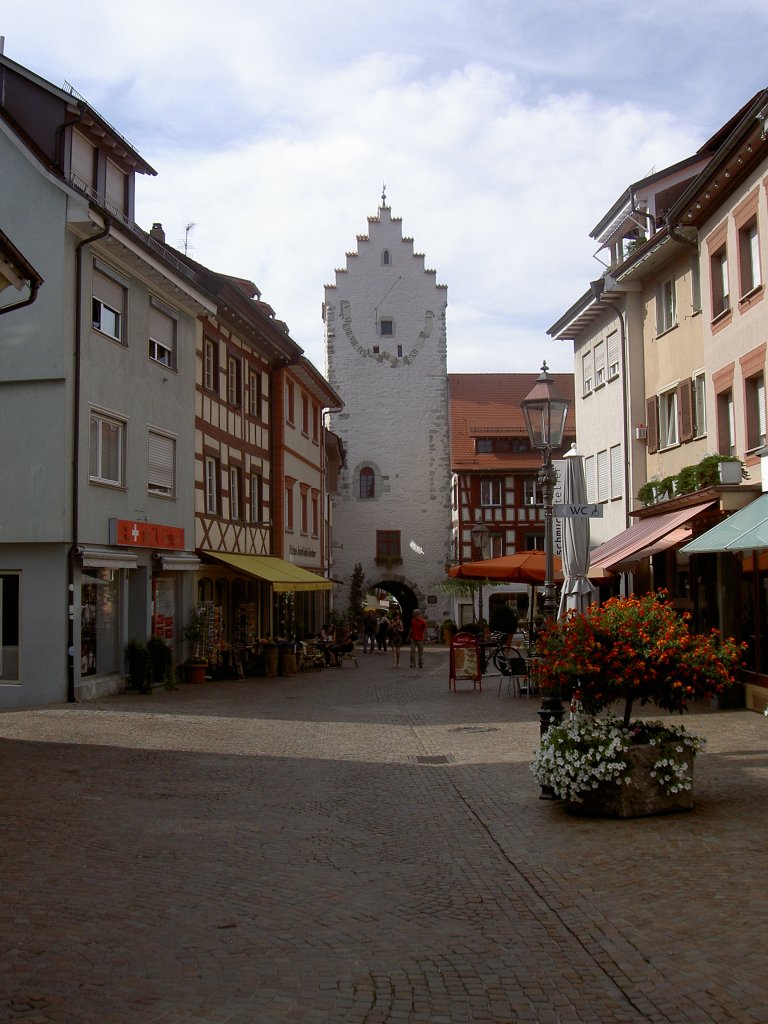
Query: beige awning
x,y
284,577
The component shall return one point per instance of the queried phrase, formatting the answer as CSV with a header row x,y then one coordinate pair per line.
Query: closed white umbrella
x,y
577,591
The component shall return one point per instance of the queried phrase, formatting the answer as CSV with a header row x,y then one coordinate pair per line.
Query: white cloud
x,y
503,130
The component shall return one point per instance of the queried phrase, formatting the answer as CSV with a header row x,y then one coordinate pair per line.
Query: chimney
x,y
157,232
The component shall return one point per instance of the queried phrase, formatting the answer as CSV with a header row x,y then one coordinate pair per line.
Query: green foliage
x,y
137,656
690,478
356,593
503,619
159,657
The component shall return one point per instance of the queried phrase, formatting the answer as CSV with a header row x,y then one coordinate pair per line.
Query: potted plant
x,y
503,620
159,656
137,656
636,650
448,630
194,633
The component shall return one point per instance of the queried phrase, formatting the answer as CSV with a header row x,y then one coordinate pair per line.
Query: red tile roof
x,y
488,405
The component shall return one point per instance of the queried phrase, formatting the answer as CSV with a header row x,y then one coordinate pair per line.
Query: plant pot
x,y
194,673
641,797
270,660
730,472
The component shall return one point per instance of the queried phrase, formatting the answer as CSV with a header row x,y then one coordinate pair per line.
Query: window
x,y
255,395
235,492
386,259
699,406
116,191
305,414
161,464
616,466
668,419
530,491
82,161
721,300
589,477
257,498
586,371
289,505
495,545
483,445
10,617
388,544
108,306
599,355
534,542
290,402
490,492
162,334
211,485
234,381
603,478
666,309
754,406
211,365
107,456
315,506
367,482
304,510
614,354
386,327
749,258
726,424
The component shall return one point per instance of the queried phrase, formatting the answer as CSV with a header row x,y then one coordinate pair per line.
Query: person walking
x,y
416,634
370,626
382,632
396,638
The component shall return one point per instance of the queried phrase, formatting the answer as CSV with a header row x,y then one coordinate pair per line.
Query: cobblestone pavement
x,y
363,846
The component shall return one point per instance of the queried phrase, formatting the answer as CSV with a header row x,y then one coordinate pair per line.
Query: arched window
x,y
367,482
385,258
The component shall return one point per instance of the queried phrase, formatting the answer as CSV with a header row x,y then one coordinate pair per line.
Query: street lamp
x,y
545,411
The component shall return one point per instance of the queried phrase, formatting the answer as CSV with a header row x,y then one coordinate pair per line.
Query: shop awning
x,y
645,538
106,558
745,530
283,576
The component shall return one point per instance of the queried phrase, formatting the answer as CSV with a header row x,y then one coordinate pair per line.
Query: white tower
x,y
386,356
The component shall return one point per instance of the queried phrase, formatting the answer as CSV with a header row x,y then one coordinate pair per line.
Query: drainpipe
x,y
34,288
76,458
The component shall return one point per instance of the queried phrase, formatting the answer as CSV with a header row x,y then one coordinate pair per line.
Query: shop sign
x,y
135,534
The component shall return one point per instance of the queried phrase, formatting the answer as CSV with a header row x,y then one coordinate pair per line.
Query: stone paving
x,y
363,846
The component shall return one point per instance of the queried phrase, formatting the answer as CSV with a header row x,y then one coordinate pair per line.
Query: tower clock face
x,y
410,347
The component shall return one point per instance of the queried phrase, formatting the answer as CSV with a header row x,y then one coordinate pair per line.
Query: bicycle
x,y
511,663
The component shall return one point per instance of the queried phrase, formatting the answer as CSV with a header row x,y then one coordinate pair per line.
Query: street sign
x,y
577,511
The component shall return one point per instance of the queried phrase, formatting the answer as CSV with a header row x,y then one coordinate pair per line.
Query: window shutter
x,y
108,291
613,355
603,484
82,161
160,472
652,423
685,422
161,328
115,188
616,474
589,476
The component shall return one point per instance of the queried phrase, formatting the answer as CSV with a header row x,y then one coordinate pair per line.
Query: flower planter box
x,y
194,673
641,797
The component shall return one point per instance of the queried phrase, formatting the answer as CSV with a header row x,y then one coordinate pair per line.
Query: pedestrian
x,y
370,626
416,634
382,632
396,638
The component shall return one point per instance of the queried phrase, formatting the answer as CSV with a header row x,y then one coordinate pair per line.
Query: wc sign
x,y
577,511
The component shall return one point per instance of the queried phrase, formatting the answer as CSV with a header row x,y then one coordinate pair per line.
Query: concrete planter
x,y
639,798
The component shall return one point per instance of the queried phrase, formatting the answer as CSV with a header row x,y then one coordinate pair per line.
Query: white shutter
x,y
754,256
108,291
616,474
602,476
599,363
115,190
82,161
589,476
760,399
613,355
161,457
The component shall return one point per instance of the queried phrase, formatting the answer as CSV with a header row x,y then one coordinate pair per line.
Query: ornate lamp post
x,y
545,411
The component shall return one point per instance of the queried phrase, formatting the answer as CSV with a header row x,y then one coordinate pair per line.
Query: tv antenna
x,y
189,228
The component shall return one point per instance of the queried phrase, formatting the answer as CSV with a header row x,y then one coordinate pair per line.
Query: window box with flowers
x,y
388,561
637,651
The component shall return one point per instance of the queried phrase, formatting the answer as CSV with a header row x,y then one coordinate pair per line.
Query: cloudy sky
x,y
503,130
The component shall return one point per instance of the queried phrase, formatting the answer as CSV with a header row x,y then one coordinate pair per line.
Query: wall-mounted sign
x,y
135,534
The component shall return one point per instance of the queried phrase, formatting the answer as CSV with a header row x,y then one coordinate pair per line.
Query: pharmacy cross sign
x,y
137,534
577,511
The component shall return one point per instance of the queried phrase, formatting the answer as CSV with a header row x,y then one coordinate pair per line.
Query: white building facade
x,y
385,336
